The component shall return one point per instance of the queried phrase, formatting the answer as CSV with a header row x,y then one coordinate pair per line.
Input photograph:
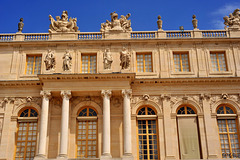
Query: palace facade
x,y
120,94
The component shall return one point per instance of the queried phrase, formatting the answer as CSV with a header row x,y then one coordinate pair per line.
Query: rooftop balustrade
x,y
132,35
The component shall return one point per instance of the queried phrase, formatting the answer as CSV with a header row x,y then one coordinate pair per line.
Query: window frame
x,y
225,58
181,66
26,120
33,66
86,118
144,66
147,118
225,116
89,62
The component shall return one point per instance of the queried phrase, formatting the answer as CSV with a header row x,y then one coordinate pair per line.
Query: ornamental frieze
x,y
75,100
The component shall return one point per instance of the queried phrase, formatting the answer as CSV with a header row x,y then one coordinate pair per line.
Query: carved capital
x,y
66,94
127,93
165,96
106,93
205,96
46,94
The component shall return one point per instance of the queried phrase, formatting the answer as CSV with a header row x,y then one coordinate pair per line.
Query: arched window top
x,y
146,111
29,112
224,109
87,112
185,110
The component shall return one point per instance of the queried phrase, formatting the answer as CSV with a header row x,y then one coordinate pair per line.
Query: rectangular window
x,y
218,61
89,63
181,62
33,64
144,62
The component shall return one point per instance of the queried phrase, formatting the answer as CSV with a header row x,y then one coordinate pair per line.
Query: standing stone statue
x,y
194,22
50,60
20,25
107,59
67,61
159,23
125,59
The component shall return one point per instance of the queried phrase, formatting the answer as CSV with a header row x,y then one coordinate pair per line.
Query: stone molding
x,y
106,93
127,93
66,94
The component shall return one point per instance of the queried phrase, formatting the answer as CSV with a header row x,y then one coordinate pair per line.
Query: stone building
x,y
120,94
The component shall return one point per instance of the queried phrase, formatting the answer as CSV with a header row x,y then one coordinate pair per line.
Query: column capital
x,y
106,93
127,93
66,94
46,94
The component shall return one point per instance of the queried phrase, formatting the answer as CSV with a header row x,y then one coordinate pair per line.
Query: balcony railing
x,y
143,35
7,37
130,35
90,35
36,37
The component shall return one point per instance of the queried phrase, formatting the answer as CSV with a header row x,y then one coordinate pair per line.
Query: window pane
x,y
218,62
33,64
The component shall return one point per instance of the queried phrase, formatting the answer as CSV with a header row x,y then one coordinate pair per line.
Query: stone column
x,y
43,124
127,123
66,95
106,94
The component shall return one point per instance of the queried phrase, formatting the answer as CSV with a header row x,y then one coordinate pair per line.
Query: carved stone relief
x,y
77,99
107,59
62,24
67,61
122,24
125,57
50,61
17,101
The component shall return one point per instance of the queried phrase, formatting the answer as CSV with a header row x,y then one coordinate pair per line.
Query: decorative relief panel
x,y
17,101
77,99
1,126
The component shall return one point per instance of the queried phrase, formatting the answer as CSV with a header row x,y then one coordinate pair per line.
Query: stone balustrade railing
x,y
130,35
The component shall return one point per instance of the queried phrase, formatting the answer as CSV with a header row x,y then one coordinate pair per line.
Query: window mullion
x,y
229,141
33,67
148,154
86,149
180,56
26,140
144,67
218,61
89,63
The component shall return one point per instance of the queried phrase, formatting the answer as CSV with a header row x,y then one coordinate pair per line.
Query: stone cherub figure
x,y
125,59
62,24
233,20
20,25
159,23
122,24
107,59
50,60
194,22
67,61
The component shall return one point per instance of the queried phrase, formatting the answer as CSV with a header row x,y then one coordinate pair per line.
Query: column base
x,y
127,156
62,157
106,156
40,157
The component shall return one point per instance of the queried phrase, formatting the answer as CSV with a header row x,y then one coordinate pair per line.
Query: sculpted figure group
x,y
62,24
233,20
122,24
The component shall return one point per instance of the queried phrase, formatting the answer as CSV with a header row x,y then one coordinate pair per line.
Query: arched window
x,y
87,133
147,134
188,133
26,134
228,131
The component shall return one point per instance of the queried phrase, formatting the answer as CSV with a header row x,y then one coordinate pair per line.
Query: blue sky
x,y
91,13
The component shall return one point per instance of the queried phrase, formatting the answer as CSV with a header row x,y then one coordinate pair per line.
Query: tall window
x,y
188,133
147,134
87,133
89,63
181,62
26,135
33,64
218,61
144,62
228,132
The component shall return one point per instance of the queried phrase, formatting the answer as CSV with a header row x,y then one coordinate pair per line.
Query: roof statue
x,y
159,23
122,24
62,24
233,20
194,22
20,25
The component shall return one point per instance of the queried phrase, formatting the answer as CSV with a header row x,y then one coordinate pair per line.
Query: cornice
x,y
187,80
20,83
87,77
